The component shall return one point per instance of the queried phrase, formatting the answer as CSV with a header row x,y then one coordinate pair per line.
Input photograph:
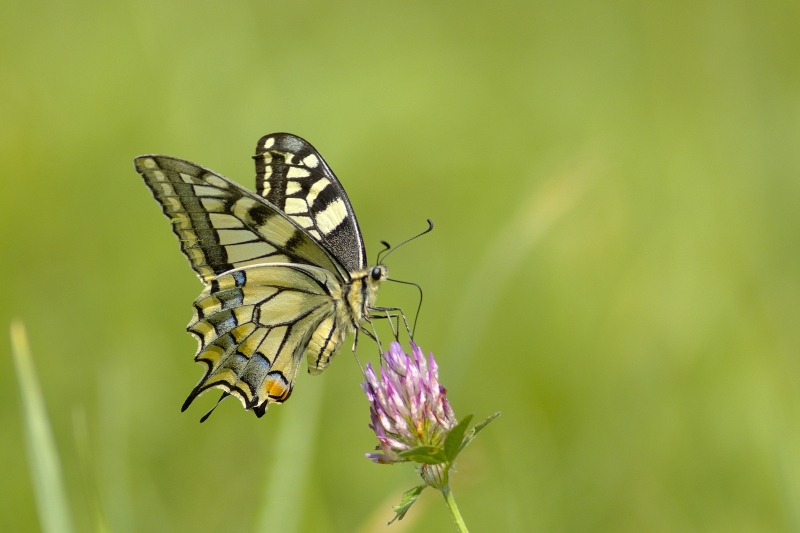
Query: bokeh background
x,y
614,266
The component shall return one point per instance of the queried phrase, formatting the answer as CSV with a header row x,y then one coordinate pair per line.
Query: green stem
x,y
451,504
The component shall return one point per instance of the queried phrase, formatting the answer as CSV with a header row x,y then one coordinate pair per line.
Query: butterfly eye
x,y
376,274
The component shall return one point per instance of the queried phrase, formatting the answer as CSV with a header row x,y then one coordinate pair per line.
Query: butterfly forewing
x,y
292,175
223,226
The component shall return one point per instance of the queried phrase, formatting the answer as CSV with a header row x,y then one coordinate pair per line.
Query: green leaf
x,y
475,430
425,454
409,497
419,450
452,443
40,445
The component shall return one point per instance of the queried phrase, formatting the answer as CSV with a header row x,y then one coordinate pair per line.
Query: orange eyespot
x,y
276,386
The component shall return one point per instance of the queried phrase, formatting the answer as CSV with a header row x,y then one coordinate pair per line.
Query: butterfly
x,y
285,270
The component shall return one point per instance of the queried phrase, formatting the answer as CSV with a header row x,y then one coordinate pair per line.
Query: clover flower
x,y
408,406
413,421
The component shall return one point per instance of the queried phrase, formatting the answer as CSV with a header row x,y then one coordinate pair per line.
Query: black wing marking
x,y
292,175
223,226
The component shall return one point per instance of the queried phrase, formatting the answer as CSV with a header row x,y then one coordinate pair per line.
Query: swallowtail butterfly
x,y
285,270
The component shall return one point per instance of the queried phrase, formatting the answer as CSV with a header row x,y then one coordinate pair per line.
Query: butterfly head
x,y
378,274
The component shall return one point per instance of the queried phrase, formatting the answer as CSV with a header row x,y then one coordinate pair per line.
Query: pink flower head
x,y
408,407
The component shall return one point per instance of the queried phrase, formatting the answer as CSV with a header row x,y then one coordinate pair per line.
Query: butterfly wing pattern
x,y
292,175
277,285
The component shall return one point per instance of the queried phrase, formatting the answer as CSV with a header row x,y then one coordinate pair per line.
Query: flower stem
x,y
451,504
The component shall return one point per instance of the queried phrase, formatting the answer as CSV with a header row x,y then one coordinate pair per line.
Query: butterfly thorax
x,y
352,302
360,293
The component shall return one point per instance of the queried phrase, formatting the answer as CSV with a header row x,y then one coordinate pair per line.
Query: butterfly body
x,y
284,270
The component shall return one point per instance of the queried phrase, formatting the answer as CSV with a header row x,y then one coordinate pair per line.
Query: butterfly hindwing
x,y
253,326
223,226
293,176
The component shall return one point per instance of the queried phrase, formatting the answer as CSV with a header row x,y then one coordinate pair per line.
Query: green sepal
x,y
409,497
430,455
474,431
452,443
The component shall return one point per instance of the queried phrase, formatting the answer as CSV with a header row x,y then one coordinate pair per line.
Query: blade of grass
x,y
288,475
45,467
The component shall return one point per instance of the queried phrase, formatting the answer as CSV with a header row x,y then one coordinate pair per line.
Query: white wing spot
x,y
203,190
216,181
224,221
292,187
242,207
173,203
235,236
269,142
213,205
245,252
149,163
295,206
311,161
306,222
333,215
297,172
164,189
181,221
317,188
159,176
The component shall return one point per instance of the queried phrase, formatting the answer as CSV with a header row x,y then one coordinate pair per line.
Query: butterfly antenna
x,y
430,228
419,306
205,416
386,247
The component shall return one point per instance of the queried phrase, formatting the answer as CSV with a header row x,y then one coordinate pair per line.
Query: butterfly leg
x,y
355,346
366,332
400,314
374,336
369,334
395,326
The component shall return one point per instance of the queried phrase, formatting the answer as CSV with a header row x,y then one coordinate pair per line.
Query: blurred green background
x,y
614,266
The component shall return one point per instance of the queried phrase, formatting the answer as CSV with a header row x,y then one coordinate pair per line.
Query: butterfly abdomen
x,y
325,342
